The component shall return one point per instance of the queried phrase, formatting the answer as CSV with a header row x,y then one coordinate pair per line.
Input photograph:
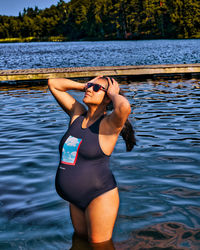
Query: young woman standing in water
x,y
83,177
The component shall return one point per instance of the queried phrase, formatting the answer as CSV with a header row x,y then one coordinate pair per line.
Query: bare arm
x,y
70,105
121,105
112,124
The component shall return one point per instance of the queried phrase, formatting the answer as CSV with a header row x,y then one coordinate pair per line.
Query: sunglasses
x,y
96,87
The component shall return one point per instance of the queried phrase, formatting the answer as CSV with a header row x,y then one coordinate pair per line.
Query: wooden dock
x,y
147,71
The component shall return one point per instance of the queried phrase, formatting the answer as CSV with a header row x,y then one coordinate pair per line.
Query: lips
x,y
86,95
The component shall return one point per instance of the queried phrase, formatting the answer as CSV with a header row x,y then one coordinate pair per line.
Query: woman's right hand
x,y
96,78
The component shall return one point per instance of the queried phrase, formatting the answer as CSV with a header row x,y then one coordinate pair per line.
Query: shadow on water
x,y
80,243
168,236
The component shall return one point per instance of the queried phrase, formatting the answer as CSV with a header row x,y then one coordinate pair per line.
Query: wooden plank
x,y
79,72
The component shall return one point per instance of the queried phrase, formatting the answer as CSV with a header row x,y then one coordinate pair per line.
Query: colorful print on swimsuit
x,y
70,150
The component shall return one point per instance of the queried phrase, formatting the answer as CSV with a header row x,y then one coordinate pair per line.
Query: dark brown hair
x,y
128,134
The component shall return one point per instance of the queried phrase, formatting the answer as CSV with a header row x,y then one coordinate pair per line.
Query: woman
x,y
83,177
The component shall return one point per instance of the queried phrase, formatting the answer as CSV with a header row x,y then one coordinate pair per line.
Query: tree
x,y
107,19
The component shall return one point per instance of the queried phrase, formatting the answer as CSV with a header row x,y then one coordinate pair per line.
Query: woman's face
x,y
96,98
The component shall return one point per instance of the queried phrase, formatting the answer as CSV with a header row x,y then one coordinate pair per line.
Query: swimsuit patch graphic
x,y
70,150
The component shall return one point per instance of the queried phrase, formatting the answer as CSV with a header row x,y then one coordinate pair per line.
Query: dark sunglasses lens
x,y
89,85
96,87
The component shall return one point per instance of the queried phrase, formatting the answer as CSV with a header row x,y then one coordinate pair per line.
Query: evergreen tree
x,y
107,19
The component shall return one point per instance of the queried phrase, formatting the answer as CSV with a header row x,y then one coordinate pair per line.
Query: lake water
x,y
159,181
109,53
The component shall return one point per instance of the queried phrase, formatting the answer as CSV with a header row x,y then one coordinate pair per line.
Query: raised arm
x,y
70,105
121,105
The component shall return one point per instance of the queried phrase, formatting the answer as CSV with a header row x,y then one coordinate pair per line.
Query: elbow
x,y
50,82
129,109
125,109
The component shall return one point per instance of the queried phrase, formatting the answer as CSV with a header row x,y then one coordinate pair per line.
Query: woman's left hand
x,y
113,87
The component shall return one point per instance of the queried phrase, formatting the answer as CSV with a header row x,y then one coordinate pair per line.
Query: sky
x,y
13,7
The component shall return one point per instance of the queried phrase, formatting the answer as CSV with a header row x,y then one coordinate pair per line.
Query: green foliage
x,y
105,19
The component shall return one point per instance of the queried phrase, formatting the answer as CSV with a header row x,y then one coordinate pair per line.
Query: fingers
x,y
113,86
99,77
115,82
110,80
94,79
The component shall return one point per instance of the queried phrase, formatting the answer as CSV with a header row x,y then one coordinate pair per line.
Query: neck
x,y
94,112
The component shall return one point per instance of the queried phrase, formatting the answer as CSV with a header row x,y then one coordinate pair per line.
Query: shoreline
x,y
66,39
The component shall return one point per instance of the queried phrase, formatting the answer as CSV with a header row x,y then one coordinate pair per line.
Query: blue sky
x,y
13,7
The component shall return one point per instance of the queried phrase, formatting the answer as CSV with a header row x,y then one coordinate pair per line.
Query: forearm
x,y
63,84
120,103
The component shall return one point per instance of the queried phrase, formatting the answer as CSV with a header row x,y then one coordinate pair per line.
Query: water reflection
x,y
169,236
19,90
158,180
80,243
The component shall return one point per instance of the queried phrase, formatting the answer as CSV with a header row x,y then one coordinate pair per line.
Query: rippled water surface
x,y
109,53
159,181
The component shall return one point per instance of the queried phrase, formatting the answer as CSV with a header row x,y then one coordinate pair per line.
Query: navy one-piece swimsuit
x,y
83,172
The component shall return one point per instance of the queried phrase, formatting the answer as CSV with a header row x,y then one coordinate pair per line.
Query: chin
x,y
87,101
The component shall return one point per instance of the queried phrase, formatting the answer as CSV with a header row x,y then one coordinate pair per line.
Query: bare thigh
x,y
78,220
101,215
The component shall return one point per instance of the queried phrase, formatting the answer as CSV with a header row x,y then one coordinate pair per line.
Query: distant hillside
x,y
105,20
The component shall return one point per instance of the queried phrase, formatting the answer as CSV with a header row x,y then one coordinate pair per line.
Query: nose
x,y
90,89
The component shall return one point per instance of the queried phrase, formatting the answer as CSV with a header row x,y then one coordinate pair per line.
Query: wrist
x,y
83,87
111,95
78,86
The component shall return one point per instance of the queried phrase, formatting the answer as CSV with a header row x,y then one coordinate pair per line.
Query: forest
x,y
105,20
